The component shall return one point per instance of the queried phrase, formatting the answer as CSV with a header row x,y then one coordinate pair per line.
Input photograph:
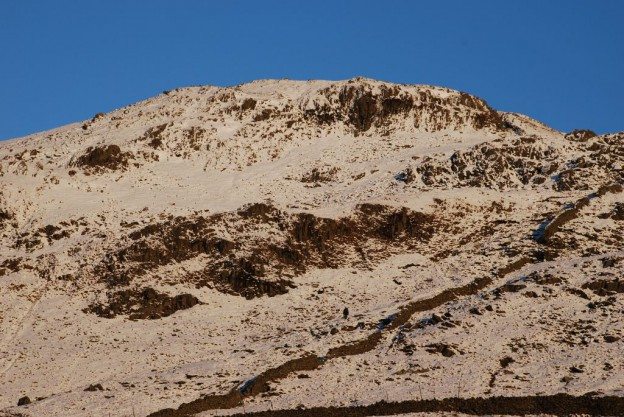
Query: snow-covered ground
x,y
375,196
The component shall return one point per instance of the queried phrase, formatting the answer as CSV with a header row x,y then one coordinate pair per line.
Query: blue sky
x,y
560,61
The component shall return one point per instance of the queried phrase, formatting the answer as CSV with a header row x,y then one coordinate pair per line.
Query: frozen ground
x,y
172,251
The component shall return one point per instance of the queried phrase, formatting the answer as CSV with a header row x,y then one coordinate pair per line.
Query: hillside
x,y
286,244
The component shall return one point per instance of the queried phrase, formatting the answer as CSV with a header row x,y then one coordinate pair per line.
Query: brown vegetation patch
x,y
34,238
244,277
604,159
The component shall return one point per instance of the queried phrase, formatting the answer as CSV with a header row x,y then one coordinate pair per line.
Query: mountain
x,y
340,247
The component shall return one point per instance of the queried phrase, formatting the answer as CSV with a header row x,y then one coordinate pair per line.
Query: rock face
x,y
266,243
250,265
145,303
364,106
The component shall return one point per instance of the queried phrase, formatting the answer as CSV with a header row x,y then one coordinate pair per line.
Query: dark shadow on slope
x,y
558,405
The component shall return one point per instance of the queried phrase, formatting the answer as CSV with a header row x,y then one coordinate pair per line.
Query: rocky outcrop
x,y
252,265
143,303
526,161
364,106
108,157
580,135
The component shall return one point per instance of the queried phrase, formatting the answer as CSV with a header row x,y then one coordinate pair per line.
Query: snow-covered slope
x,y
285,243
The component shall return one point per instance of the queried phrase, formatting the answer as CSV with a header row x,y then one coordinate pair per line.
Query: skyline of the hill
x,y
559,62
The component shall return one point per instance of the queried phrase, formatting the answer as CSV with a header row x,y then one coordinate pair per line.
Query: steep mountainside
x,y
286,245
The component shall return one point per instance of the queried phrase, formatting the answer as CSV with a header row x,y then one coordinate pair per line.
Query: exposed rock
x,y
362,107
320,175
23,401
139,304
506,361
302,241
604,287
441,348
104,157
248,104
580,135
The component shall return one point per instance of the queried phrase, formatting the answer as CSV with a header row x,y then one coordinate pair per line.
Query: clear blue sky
x,y
559,61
